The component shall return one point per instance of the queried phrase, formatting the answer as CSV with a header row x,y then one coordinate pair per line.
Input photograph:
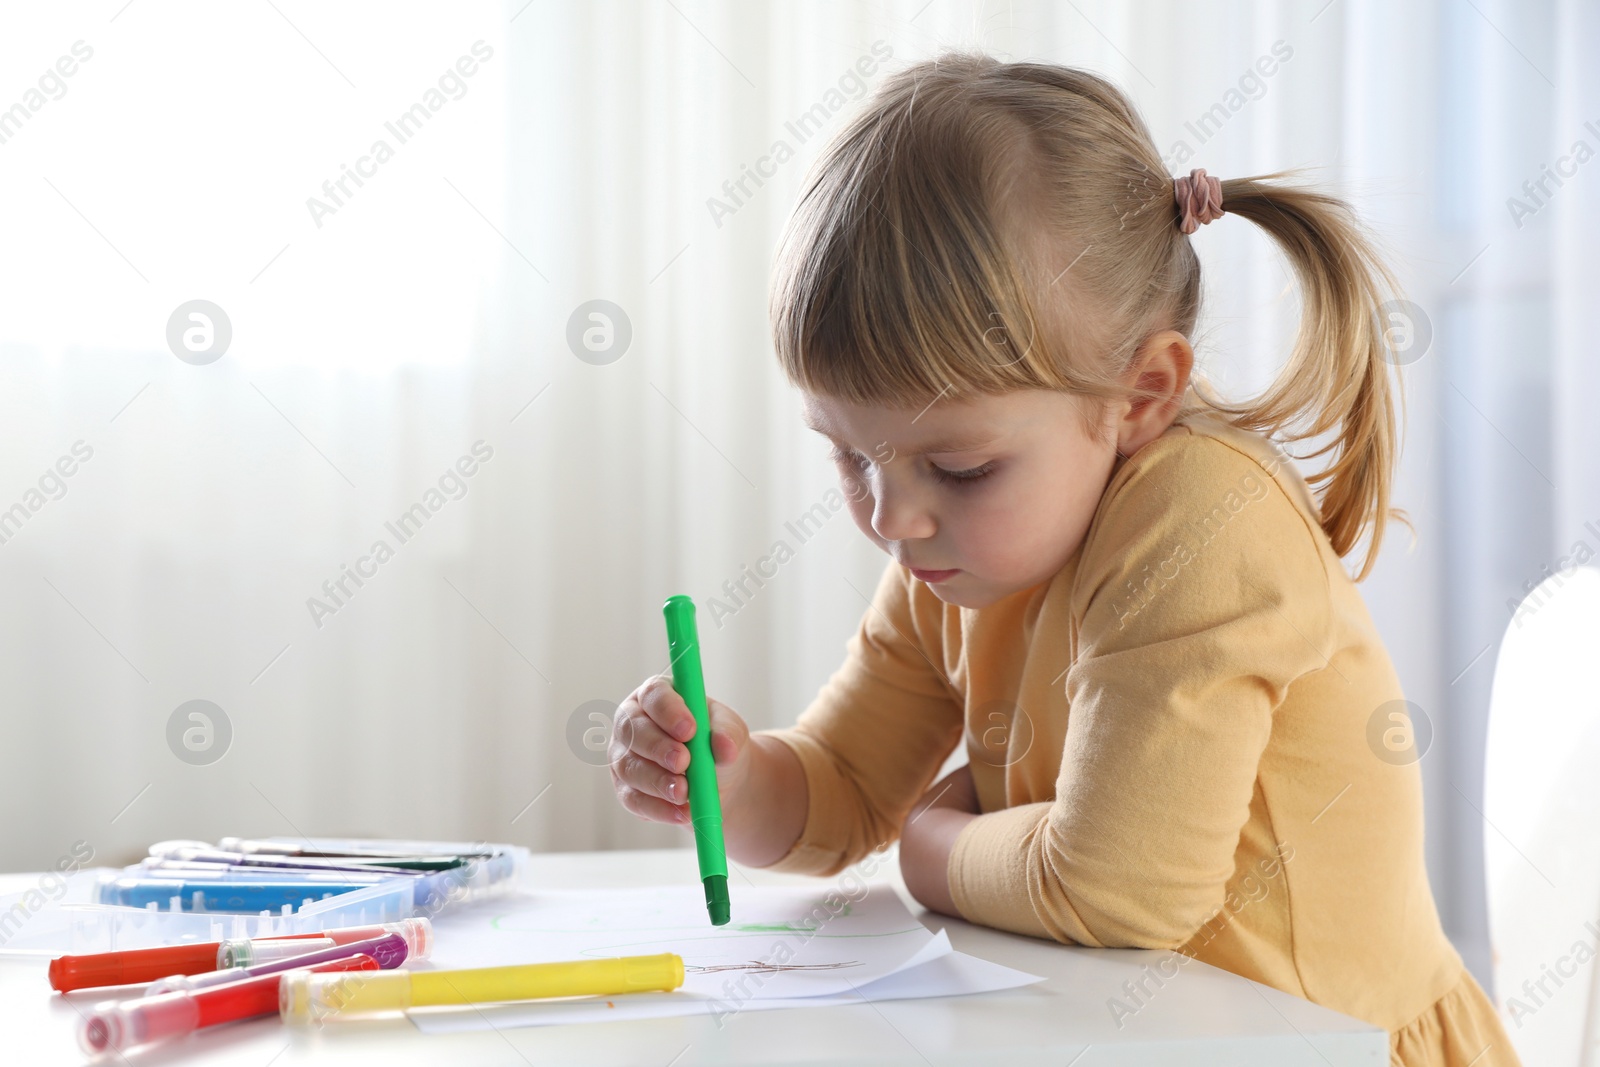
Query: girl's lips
x,y
933,577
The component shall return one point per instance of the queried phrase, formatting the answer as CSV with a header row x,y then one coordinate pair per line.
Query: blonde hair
x,y
981,227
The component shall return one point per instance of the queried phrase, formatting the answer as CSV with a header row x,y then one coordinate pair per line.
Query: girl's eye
x,y
855,459
966,477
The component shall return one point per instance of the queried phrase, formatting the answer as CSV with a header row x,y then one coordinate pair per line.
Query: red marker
x,y
122,1024
135,965
148,964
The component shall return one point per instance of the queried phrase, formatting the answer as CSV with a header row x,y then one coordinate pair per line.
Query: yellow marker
x,y
306,997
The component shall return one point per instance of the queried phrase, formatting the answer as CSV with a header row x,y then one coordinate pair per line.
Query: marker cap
x,y
123,1024
128,967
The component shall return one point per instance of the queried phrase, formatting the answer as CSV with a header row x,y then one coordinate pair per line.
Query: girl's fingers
x,y
648,754
666,708
636,732
639,773
653,808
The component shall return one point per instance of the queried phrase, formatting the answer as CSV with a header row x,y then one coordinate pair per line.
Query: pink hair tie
x,y
1199,199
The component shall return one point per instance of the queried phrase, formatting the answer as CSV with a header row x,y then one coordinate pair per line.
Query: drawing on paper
x,y
759,967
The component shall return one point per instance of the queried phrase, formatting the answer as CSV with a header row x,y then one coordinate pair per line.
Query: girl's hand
x,y
930,834
649,757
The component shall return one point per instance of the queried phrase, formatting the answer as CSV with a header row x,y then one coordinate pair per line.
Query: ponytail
x,y
1336,382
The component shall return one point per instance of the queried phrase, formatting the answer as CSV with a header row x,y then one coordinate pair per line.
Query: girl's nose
x,y
898,514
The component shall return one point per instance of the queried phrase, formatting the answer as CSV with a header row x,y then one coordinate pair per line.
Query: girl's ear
x,y
1160,372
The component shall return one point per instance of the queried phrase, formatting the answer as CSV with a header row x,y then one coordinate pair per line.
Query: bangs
x,y
893,284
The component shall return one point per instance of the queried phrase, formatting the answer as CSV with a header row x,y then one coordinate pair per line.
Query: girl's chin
x,y
972,592
968,594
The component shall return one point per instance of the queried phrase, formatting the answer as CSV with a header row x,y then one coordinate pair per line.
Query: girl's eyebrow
x,y
952,443
959,443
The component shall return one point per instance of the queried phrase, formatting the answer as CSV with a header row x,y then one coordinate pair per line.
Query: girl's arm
x,y
930,834
875,736
766,821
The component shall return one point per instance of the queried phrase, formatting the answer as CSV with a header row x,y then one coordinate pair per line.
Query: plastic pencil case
x,y
78,921
272,890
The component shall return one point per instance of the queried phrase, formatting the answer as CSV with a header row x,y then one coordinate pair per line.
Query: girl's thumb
x,y
728,732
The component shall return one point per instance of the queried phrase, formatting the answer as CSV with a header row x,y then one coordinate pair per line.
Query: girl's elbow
x,y
1166,920
1176,916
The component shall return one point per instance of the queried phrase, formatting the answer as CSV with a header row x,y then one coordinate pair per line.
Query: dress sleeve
x,y
876,734
1202,594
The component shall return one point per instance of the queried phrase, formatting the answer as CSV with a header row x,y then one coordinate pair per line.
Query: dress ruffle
x,y
1462,1029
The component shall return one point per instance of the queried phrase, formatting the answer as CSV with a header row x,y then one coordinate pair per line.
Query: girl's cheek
x,y
853,486
861,514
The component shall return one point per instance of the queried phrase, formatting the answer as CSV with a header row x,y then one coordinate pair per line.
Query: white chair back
x,y
1541,806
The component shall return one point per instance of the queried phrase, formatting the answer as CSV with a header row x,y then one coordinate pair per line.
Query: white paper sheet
x,y
864,937
872,947
952,974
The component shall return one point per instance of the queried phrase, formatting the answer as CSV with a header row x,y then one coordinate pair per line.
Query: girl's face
x,y
980,498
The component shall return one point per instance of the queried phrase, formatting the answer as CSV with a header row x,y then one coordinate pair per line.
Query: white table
x,y
1201,1017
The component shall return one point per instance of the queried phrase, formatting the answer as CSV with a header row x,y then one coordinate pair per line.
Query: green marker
x,y
705,805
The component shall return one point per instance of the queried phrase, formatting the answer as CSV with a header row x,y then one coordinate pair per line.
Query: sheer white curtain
x,y
1517,477
644,154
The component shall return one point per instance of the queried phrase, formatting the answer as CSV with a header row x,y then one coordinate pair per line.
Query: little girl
x,y
1107,583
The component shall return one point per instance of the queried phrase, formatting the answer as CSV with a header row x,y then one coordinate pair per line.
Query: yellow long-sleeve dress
x,y
1191,737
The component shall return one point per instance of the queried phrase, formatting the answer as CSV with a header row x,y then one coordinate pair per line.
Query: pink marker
x,y
390,951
